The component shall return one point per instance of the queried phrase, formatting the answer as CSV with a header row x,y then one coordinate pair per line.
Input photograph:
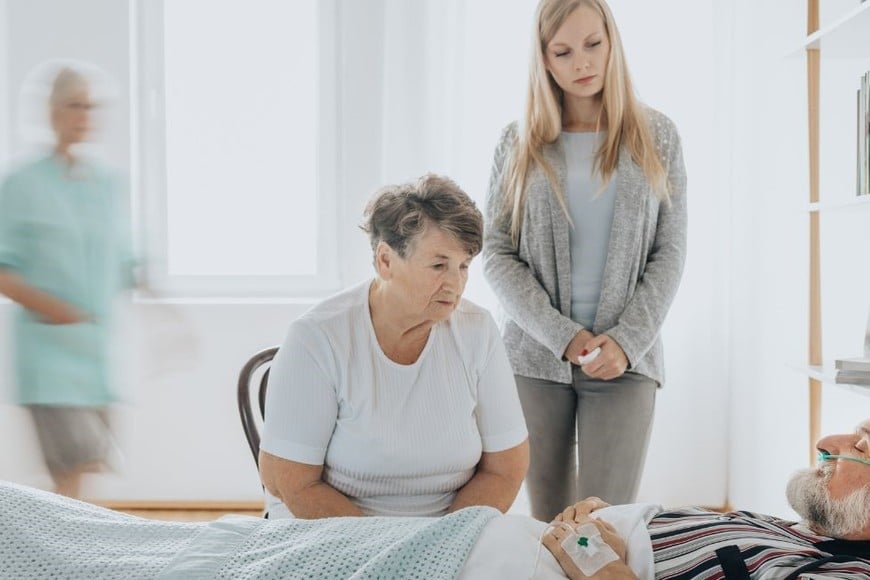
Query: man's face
x,y
848,475
834,498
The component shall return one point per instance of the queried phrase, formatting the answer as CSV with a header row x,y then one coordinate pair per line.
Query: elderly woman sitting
x,y
395,397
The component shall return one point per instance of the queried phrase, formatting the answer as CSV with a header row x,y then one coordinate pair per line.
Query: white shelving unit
x,y
858,202
847,37
827,375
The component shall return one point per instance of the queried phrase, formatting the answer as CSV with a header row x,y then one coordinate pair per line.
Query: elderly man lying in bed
x,y
45,535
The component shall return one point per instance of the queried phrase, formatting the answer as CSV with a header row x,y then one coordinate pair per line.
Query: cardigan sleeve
x,y
520,293
643,316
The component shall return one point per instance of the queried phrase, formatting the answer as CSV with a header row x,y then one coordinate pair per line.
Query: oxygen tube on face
x,y
825,456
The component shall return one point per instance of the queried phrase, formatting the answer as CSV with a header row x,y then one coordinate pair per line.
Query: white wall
x,y
716,68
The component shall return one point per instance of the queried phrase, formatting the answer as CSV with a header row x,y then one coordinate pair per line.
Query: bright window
x,y
237,125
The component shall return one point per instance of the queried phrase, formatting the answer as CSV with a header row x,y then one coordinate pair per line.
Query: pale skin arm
x,y
617,570
580,511
575,515
302,489
50,309
496,481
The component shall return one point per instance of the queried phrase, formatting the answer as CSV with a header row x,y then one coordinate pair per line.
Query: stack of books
x,y
853,371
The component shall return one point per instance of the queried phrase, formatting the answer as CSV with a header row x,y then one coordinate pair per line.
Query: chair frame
x,y
246,413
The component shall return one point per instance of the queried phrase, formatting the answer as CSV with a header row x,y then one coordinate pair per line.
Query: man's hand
x,y
617,570
580,511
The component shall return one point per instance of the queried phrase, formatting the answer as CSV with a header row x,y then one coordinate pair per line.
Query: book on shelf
x,y
863,136
853,378
858,363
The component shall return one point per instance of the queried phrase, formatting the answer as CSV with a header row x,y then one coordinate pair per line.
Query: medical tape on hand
x,y
546,531
585,546
588,549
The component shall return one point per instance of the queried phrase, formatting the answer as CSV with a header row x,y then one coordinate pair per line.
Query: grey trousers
x,y
586,439
73,437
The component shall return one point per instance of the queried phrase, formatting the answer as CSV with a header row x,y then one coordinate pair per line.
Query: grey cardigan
x,y
644,262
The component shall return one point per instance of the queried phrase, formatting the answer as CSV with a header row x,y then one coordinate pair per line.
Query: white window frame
x,y
5,94
148,171
5,121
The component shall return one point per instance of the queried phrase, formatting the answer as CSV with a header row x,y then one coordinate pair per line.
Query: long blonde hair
x,y
627,121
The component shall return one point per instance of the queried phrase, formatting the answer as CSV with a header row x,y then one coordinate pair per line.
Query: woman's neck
x,y
401,337
583,114
64,153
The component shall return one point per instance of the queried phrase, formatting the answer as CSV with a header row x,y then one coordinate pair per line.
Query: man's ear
x,y
384,257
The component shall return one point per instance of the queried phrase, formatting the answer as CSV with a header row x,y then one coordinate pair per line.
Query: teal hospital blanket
x,y
44,535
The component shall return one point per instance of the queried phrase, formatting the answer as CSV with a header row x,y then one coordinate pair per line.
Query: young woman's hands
x,y
610,363
578,345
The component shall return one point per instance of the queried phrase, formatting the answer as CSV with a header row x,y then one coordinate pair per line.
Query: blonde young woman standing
x,y
585,245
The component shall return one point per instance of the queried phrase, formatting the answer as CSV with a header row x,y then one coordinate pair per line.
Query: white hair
x,y
808,495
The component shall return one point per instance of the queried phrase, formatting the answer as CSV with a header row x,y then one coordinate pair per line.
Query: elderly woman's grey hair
x,y
398,214
66,83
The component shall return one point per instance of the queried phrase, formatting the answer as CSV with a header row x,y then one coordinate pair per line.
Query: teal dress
x,y
64,232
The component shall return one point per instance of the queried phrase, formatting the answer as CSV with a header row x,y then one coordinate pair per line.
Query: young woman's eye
x,y
439,266
594,44
565,53
464,267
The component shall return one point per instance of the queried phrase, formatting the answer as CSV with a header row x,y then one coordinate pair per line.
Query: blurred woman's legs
x,y
74,441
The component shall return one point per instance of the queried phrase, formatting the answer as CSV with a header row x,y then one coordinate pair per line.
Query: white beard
x,y
808,495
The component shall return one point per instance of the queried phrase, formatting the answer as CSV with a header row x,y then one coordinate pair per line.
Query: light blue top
x,y
63,231
591,211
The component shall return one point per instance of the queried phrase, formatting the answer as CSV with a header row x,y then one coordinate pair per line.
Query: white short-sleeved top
x,y
395,439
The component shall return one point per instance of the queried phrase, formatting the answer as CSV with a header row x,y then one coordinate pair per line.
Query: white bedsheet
x,y
507,546
43,534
